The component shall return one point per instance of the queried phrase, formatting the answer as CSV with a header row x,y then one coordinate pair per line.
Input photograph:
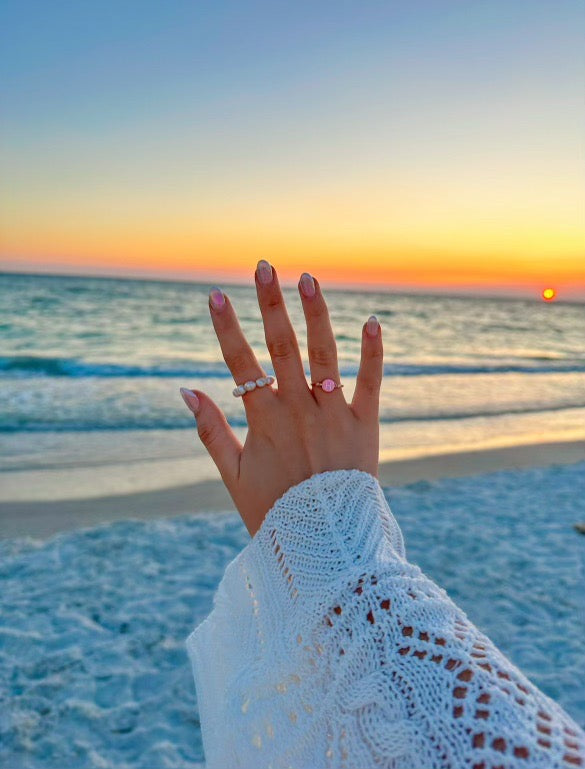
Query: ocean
x,y
90,370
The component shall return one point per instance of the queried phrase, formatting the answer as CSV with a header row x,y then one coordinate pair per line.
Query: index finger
x,y
237,353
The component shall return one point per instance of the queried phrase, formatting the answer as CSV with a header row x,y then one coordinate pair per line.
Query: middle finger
x,y
280,336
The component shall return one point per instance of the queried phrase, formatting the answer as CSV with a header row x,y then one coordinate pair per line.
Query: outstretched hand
x,y
299,429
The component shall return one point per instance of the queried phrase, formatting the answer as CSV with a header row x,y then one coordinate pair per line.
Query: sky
x,y
429,144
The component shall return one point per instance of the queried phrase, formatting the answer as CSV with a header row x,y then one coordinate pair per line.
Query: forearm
x,y
323,629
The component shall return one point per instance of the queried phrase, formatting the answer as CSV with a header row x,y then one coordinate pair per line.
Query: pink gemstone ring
x,y
327,385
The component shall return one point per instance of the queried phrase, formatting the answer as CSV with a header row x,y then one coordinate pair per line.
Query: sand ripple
x,y
93,669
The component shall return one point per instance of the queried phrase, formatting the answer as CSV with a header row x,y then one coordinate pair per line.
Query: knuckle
x,y
281,349
238,362
208,433
321,354
376,353
273,301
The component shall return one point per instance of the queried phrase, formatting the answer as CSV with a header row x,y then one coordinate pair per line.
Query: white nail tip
x,y
372,325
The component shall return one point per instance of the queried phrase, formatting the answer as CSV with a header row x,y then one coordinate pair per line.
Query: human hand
x,y
297,430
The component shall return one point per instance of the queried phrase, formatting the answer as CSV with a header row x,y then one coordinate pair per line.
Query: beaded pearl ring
x,y
252,384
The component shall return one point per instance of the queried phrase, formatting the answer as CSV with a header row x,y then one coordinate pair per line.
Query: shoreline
x,y
43,519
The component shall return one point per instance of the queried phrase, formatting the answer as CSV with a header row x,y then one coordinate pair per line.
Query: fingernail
x,y
307,285
264,270
217,298
190,399
372,326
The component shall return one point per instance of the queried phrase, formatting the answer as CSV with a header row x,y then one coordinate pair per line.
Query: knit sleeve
x,y
326,648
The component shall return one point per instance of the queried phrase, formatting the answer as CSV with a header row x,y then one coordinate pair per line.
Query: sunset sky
x,y
430,144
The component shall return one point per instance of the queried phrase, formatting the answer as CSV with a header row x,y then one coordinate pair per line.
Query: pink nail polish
x,y
264,270
217,298
372,326
307,285
190,399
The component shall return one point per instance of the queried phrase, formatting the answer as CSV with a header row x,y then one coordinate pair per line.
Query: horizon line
x,y
480,292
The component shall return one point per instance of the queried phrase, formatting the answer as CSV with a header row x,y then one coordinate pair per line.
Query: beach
x,y
93,669
43,518
417,166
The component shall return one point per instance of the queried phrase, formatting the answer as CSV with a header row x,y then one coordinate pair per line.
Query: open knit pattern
x,y
326,648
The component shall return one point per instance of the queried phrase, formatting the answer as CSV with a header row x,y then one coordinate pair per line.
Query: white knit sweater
x,y
326,648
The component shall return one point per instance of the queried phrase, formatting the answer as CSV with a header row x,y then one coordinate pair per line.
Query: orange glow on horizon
x,y
516,261
409,270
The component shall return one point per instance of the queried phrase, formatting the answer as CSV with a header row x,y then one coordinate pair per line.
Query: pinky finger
x,y
216,435
366,398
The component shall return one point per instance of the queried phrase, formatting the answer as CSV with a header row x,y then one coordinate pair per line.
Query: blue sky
x,y
277,120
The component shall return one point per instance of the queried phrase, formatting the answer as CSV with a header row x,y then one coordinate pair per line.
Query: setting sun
x,y
549,294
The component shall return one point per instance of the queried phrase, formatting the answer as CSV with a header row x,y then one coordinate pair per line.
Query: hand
x,y
297,430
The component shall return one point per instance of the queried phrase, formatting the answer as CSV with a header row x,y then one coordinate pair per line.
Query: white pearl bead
x,y
249,386
240,389
261,382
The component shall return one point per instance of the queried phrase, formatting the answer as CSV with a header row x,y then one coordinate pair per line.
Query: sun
x,y
549,294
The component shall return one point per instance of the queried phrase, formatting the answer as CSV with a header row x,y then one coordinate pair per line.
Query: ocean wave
x,y
38,365
139,421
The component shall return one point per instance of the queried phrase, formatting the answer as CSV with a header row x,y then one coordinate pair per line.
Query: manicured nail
x,y
307,285
372,326
217,298
190,399
264,270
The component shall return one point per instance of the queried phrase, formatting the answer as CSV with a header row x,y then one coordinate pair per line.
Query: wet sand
x,y
41,519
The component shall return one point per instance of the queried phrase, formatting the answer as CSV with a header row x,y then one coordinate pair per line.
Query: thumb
x,y
216,435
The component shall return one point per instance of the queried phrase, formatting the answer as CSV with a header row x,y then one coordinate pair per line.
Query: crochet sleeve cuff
x,y
326,648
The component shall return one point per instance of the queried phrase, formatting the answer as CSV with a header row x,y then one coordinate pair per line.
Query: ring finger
x,y
320,338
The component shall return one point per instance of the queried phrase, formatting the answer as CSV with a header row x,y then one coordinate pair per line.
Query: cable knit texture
x,y
326,648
